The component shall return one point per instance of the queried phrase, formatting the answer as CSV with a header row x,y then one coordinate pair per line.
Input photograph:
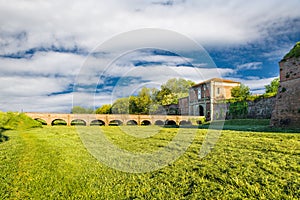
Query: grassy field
x,y
52,163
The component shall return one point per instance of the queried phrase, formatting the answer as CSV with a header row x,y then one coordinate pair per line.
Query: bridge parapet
x,y
106,119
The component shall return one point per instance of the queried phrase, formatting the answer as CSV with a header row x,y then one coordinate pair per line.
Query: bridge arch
x,y
185,123
115,122
145,123
159,123
97,122
42,121
132,123
59,122
78,122
170,122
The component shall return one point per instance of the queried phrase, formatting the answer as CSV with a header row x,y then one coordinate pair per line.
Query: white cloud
x,y
250,66
88,23
256,84
43,64
26,83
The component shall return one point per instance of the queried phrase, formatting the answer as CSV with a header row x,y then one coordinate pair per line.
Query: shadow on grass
x,y
254,125
3,138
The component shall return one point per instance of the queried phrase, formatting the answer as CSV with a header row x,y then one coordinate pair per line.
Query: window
x,y
199,93
218,90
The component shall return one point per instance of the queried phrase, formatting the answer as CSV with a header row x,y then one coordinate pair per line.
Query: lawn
x,y
53,163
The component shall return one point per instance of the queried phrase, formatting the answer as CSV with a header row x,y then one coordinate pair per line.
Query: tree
x,y
179,85
121,106
272,87
104,109
144,100
172,90
240,92
81,110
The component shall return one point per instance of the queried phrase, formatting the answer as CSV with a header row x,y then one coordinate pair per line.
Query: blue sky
x,y
46,46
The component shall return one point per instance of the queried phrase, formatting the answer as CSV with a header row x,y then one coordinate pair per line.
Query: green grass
x,y
52,163
254,125
294,52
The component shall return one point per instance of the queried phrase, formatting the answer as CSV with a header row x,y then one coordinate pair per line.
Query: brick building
x,y
207,98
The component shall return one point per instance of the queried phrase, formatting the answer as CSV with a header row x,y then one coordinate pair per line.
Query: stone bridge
x,y
113,119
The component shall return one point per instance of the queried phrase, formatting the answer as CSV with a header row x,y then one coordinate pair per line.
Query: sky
x,y
60,53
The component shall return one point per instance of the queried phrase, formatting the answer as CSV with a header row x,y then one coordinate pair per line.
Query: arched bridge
x,y
113,119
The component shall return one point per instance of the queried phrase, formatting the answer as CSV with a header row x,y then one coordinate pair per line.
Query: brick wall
x,y
287,108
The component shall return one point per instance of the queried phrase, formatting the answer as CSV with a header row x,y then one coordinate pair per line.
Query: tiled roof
x,y
216,80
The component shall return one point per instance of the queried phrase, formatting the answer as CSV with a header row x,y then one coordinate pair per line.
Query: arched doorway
x,y
201,110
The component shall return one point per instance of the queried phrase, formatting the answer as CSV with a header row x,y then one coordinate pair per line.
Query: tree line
x,y
148,100
152,100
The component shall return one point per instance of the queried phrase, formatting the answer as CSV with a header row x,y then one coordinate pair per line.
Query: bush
x,y
238,109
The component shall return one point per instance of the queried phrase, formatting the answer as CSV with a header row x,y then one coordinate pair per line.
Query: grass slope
x,y
52,163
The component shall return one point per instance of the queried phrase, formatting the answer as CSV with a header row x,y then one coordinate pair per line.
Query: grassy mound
x,y
17,121
294,52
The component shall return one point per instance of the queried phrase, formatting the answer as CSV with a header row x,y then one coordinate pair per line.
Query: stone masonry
x,y
287,107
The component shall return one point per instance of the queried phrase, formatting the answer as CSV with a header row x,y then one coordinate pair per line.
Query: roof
x,y
215,80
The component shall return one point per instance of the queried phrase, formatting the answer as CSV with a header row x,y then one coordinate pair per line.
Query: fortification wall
x,y
287,108
261,109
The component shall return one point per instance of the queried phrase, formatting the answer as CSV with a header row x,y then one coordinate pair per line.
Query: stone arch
x,y
201,110
145,123
115,122
159,123
132,123
170,122
78,122
97,122
185,123
42,121
59,122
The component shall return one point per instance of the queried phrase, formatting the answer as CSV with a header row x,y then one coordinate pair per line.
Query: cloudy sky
x,y
55,52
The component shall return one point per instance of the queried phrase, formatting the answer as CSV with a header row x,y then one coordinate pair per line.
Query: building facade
x,y
208,98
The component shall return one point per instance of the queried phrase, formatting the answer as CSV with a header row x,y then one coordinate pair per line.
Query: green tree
x,y
178,85
241,92
272,87
81,110
104,109
121,106
134,107
172,90
144,100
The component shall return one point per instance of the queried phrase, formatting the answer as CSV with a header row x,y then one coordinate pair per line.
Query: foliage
x,y
150,100
272,88
104,109
294,52
172,90
238,109
17,121
240,92
143,101
81,110
121,106
242,165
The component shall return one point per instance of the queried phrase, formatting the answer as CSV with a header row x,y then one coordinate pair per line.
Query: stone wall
x,y
258,109
261,109
183,106
287,108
